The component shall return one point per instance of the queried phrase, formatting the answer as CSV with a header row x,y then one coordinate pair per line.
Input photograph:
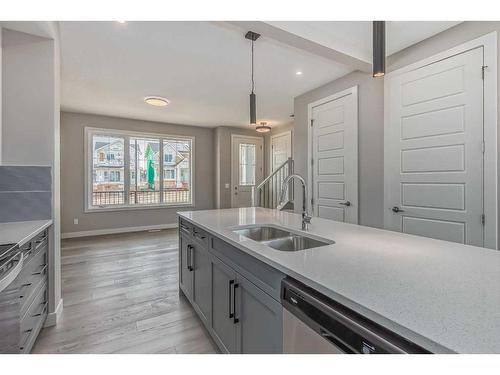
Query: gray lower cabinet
x,y
223,319
23,305
201,280
185,270
259,328
225,288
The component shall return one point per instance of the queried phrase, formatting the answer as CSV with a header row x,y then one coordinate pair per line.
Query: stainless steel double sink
x,y
281,238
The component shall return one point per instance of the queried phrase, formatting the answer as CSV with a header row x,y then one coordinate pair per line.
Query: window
x,y
247,164
128,169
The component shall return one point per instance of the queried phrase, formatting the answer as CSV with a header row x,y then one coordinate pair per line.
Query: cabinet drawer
x,y
31,276
201,236
33,320
42,236
185,227
264,276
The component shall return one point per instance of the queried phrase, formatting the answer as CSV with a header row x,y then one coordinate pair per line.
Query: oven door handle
x,y
13,272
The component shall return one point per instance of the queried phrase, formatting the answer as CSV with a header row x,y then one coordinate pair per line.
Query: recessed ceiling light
x,y
298,72
157,101
121,21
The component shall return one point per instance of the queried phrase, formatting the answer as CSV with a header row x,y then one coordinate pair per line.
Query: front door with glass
x,y
246,168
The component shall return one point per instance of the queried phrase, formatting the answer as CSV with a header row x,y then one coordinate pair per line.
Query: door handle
x,y
346,203
396,209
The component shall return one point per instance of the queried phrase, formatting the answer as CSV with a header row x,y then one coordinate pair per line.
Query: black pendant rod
x,y
378,48
253,107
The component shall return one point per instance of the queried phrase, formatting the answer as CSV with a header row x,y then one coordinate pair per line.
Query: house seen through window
x,y
155,170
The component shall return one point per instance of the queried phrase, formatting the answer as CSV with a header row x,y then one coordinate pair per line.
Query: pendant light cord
x,y
253,84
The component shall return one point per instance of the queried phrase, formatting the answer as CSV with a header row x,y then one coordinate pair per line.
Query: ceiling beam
x,y
296,41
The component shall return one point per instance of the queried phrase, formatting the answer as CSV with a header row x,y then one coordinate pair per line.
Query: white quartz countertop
x,y
441,295
21,231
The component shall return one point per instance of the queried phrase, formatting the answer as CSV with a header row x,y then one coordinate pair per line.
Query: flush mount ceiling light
x,y
157,101
253,109
263,127
299,73
378,48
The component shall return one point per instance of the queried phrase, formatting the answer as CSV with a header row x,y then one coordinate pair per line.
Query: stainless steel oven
x,y
313,323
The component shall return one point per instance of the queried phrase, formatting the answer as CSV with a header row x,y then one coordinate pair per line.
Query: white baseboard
x,y
53,317
99,232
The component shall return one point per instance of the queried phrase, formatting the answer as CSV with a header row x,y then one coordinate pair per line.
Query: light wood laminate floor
x,y
121,295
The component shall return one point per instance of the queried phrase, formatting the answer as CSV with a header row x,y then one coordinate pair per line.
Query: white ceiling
x,y
203,68
354,38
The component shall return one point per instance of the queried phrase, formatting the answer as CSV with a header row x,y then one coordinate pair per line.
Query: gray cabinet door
x,y
185,273
223,324
260,326
202,294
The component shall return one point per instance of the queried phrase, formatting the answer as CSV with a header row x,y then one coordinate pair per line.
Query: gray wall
x,y
370,140
223,161
73,176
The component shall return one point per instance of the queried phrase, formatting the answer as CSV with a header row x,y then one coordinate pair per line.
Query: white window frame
x,y
126,134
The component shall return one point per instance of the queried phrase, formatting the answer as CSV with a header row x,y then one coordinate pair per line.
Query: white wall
x,y
30,123
370,140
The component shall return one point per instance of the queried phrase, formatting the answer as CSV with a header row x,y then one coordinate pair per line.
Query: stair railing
x,y
267,193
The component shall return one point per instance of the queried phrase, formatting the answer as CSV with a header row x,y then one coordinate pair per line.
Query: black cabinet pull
x,y
44,267
235,319
196,234
189,257
231,306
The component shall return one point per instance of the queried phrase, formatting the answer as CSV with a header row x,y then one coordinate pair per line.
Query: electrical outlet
x,y
75,221
227,186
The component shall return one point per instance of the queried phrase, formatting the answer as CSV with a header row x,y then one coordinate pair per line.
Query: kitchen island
x,y
442,296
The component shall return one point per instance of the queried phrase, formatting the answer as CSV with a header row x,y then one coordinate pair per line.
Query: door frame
x,y
233,137
354,91
271,148
490,171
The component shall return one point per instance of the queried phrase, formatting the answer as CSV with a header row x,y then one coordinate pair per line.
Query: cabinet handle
x,y
196,234
235,319
43,310
44,267
189,256
231,305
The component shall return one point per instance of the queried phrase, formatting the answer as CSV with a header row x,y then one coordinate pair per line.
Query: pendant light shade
x,y
253,110
253,99
263,127
378,48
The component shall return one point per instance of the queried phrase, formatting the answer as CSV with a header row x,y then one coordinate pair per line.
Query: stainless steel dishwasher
x,y
315,324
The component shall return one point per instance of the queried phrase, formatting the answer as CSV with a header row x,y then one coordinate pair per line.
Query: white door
x,y
281,149
334,123
434,150
246,168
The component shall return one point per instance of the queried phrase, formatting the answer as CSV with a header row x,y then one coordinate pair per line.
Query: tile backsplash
x,y
25,193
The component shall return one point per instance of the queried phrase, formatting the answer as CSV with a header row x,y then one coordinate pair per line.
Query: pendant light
x,y
253,108
263,127
378,48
